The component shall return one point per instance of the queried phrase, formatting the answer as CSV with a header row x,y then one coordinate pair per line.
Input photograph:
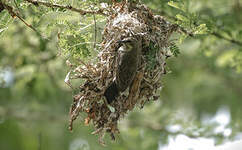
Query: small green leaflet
x,y
201,29
182,18
177,5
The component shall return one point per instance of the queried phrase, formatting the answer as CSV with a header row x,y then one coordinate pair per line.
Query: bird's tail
x,y
111,92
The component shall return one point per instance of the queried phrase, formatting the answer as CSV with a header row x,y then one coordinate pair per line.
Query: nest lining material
x,y
125,20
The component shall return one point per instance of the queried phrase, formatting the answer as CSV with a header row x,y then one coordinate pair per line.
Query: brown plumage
x,y
128,60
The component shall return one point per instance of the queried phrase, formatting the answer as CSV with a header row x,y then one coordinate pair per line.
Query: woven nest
x,y
125,20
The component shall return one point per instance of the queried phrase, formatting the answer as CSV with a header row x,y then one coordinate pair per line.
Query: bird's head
x,y
128,43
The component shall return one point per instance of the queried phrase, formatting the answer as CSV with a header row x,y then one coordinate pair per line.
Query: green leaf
x,y
177,5
174,49
201,29
182,38
182,18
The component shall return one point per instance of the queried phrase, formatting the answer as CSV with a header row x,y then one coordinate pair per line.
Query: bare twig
x,y
14,14
95,31
68,7
89,67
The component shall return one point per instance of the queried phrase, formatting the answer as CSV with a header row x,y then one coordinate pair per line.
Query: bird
x,y
127,60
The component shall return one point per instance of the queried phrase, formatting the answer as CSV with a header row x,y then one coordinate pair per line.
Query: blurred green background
x,y
201,97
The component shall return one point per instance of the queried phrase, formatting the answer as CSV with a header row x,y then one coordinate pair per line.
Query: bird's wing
x,y
126,69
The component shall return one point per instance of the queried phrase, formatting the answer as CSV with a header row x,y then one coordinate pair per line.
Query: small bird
x,y
128,58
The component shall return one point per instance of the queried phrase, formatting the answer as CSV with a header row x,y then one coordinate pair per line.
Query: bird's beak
x,y
120,41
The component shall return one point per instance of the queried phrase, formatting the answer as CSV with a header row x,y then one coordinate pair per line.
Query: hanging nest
x,y
125,20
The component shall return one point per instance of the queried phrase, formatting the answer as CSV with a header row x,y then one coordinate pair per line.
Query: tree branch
x,y
216,34
185,31
68,7
14,14
227,39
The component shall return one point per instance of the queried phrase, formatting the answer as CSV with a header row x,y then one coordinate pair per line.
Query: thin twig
x,y
14,14
216,34
29,25
227,39
16,5
90,67
95,31
68,7
185,31
82,43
